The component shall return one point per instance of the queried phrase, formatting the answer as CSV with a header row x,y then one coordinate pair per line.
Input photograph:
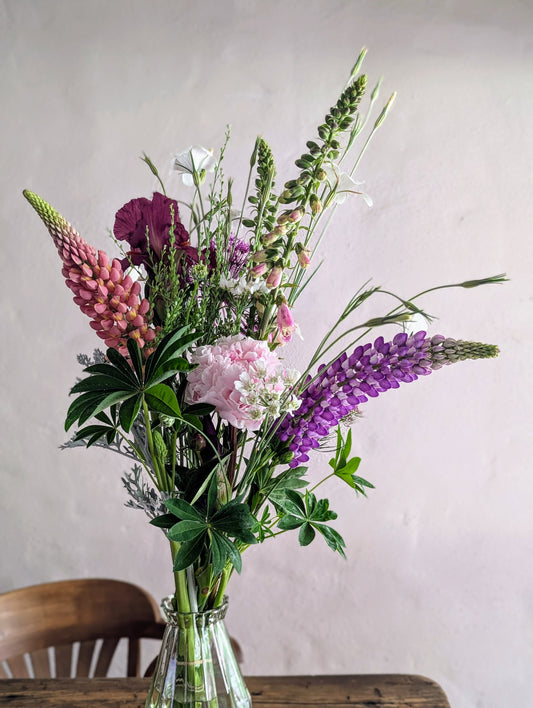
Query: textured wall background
x,y
439,578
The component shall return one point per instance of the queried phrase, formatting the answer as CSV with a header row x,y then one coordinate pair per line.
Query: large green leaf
x,y
136,357
187,530
188,553
121,363
129,410
125,375
115,397
227,550
183,510
161,398
169,347
99,382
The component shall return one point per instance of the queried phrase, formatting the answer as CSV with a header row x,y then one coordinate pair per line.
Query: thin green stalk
x,y
150,440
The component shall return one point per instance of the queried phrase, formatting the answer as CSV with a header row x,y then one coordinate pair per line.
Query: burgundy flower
x,y
149,226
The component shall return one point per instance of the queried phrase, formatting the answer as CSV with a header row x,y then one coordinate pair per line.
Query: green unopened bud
x,y
321,175
160,449
385,110
166,420
315,204
269,238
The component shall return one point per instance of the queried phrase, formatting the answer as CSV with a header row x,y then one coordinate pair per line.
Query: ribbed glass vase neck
x,y
184,619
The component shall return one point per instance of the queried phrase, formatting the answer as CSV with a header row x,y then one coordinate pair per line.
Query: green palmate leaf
x,y
104,418
182,510
89,404
169,347
188,553
223,550
199,409
187,530
136,357
122,364
115,397
164,521
168,370
128,412
233,518
306,535
161,398
291,502
90,430
99,382
290,522
334,540
114,372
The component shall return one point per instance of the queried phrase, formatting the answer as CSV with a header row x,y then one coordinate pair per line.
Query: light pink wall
x,y
438,579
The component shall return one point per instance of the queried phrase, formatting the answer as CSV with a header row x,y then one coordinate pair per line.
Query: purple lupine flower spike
x,y
370,370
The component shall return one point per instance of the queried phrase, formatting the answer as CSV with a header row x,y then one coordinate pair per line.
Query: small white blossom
x,y
343,185
195,159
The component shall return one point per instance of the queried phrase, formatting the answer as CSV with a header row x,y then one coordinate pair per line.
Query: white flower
x,y
240,286
343,185
195,159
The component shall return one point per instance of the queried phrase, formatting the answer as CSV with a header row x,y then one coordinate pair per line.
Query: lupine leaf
x,y
99,382
121,363
136,357
187,530
290,522
129,410
113,371
162,399
332,538
188,553
182,509
115,397
306,535
164,521
169,347
228,550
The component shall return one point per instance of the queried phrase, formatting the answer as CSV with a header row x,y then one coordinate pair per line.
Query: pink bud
x,y
259,270
304,257
274,279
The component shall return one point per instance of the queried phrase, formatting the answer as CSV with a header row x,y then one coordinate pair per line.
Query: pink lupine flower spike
x,y
101,288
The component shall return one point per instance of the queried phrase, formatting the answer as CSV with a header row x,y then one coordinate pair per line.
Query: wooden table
x,y
362,691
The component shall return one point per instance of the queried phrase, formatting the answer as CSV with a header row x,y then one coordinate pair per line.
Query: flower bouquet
x,y
196,313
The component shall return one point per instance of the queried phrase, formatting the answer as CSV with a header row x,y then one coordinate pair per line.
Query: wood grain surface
x,y
362,691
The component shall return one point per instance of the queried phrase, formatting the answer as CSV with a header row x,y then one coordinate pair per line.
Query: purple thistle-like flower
x,y
370,370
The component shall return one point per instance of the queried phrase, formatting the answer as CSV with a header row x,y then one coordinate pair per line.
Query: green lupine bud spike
x,y
445,350
253,156
356,68
496,279
160,447
385,110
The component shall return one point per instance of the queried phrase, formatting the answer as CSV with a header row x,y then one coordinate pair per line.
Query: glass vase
x,y
196,667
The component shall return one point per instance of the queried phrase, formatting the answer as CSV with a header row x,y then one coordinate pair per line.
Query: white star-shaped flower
x,y
195,159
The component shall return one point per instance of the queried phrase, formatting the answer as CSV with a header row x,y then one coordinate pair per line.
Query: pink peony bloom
x,y
240,377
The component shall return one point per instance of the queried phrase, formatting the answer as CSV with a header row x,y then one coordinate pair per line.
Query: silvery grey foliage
x,y
116,446
97,358
143,496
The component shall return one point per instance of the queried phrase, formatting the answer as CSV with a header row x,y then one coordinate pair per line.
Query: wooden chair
x,y
59,615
